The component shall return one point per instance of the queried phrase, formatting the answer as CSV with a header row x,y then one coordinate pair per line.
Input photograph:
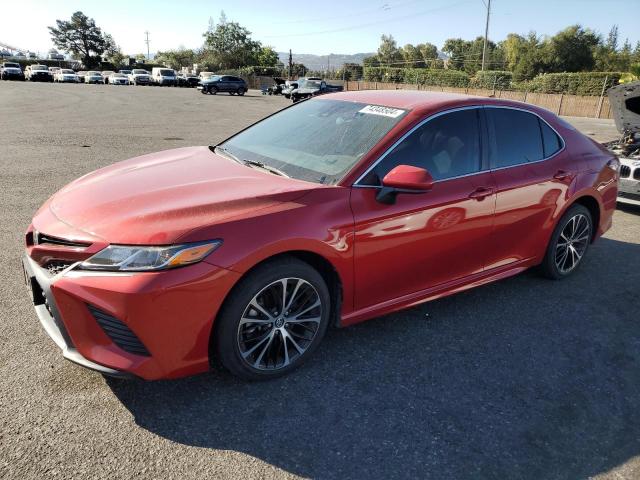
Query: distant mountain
x,y
334,60
320,62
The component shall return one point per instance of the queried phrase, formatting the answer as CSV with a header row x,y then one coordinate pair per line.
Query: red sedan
x,y
330,212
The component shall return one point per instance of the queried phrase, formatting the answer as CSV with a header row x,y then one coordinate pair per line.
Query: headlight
x,y
131,258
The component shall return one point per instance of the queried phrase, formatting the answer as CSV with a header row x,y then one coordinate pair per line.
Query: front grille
x,y
118,332
625,171
48,239
54,267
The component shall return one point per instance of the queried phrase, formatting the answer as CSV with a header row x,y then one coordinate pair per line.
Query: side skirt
x,y
434,293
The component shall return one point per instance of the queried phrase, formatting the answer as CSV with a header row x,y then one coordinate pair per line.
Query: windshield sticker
x,y
384,111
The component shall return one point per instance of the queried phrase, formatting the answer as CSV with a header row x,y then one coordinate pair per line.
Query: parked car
x,y
289,87
11,71
125,72
118,79
93,77
625,104
38,73
188,80
139,76
105,75
276,88
164,76
81,76
205,75
247,251
223,83
311,88
65,75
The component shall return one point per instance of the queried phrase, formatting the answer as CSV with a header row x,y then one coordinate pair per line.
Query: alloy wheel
x,y
279,324
572,243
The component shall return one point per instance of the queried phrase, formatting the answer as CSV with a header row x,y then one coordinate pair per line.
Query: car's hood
x,y
158,198
625,103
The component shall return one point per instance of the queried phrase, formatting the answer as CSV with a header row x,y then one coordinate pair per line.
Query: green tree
x,y
350,71
429,53
267,57
388,51
572,50
412,57
81,37
372,61
230,46
182,57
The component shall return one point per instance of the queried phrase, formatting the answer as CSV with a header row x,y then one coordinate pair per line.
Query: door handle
x,y
562,175
481,192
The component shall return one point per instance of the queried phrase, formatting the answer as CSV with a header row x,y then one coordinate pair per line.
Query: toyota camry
x,y
333,211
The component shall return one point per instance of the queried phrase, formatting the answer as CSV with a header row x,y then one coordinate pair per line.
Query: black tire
x,y
204,90
213,90
241,91
551,266
226,341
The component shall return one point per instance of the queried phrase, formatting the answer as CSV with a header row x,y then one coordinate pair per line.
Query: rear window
x,y
550,142
516,137
12,65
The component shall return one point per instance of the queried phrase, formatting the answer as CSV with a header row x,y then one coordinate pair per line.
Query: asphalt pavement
x,y
524,378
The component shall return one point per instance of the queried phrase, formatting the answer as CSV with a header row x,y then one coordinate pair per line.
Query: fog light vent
x,y
118,332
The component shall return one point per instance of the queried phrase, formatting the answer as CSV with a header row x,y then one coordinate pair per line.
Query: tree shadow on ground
x,y
525,378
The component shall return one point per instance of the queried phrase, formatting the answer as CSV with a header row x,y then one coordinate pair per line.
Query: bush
x,y
579,83
500,79
422,76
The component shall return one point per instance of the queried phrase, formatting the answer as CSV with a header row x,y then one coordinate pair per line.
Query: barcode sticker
x,y
384,111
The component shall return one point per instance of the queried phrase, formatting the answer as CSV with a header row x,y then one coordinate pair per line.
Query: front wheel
x,y
273,320
569,243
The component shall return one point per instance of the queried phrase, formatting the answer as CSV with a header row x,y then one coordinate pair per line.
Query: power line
x,y
370,24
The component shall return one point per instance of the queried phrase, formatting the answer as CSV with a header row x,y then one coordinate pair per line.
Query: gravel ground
x,y
524,378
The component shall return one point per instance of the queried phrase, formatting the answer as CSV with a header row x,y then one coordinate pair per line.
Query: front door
x,y
426,239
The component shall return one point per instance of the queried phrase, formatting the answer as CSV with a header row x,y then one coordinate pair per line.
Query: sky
x,y
316,26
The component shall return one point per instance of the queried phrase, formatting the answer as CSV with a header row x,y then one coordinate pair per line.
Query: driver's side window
x,y
447,146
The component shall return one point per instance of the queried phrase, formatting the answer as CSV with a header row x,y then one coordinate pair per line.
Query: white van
x,y
164,76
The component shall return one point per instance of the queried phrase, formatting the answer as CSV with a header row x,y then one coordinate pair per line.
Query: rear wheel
x,y
241,91
273,320
569,243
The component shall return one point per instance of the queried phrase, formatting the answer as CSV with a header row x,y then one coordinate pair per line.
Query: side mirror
x,y
404,179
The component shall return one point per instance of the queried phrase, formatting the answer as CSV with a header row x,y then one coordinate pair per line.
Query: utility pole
x,y
486,34
290,64
146,34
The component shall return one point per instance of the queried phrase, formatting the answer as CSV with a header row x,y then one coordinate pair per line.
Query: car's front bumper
x,y
629,183
171,313
13,76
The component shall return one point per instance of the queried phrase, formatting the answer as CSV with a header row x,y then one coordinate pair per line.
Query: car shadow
x,y
524,378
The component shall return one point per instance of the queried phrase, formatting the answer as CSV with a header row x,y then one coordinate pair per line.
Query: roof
x,y
419,100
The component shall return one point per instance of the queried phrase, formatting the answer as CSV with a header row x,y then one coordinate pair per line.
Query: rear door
x,y
532,177
427,239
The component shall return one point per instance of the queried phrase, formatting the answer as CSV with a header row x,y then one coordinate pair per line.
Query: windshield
x,y
94,74
11,65
118,75
167,73
317,141
38,67
68,72
312,84
139,72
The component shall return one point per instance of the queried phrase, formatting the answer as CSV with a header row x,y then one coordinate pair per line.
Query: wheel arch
x,y
320,263
595,209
